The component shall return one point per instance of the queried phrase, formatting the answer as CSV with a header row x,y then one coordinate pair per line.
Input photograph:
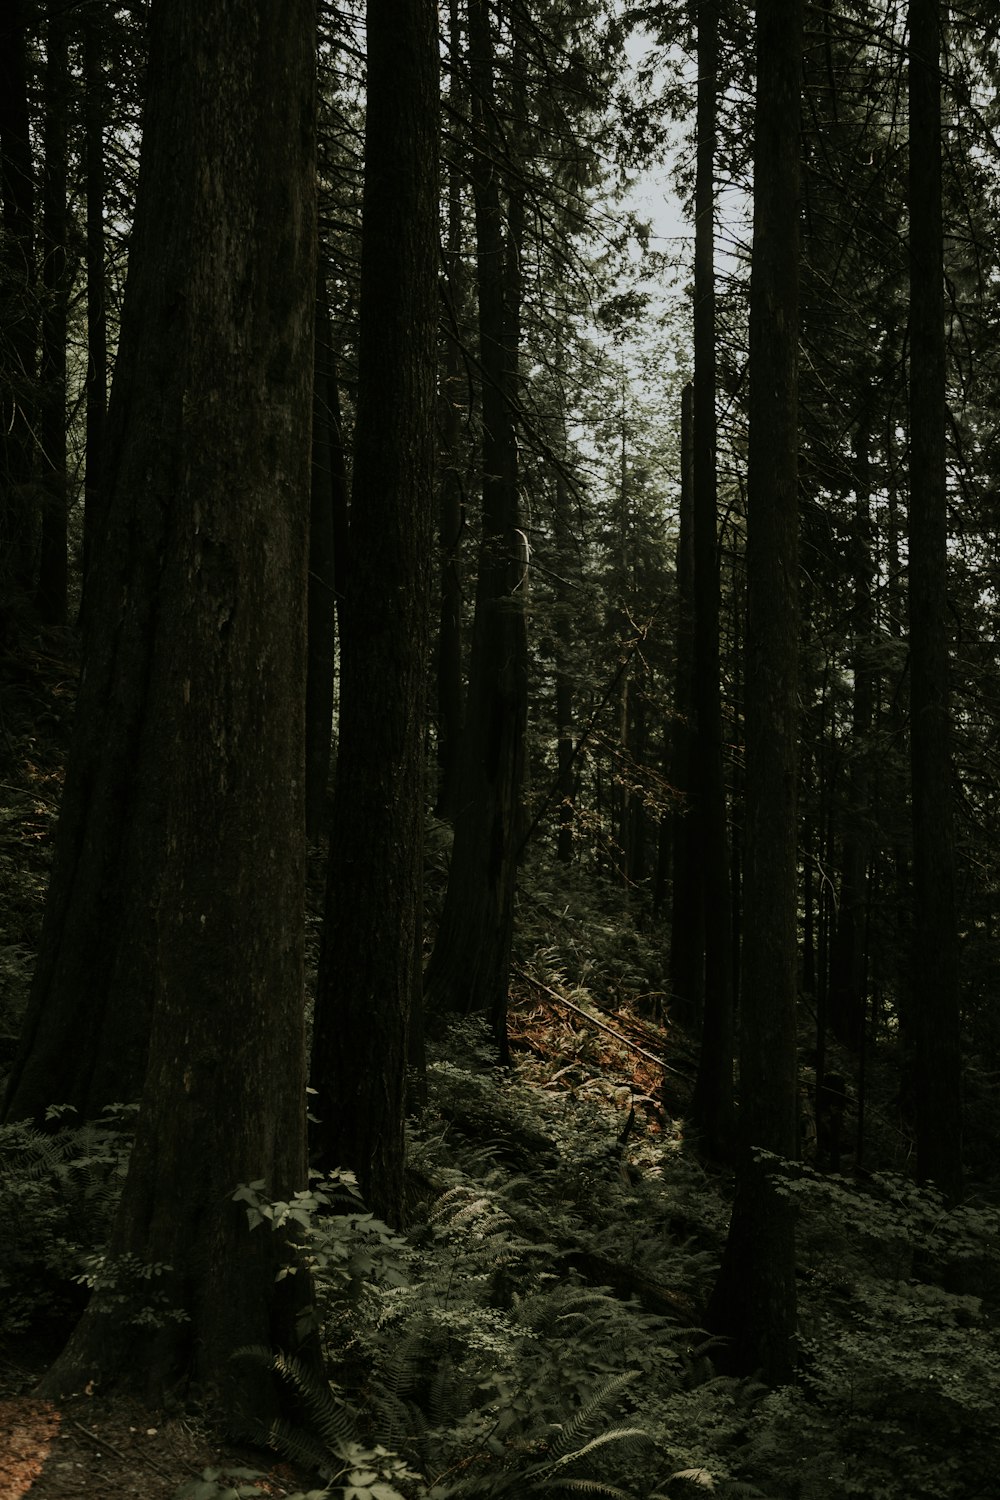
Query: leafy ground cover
x,y
539,1327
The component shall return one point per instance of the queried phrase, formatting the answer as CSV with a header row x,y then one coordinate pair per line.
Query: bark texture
x,y
754,1301
173,930
369,967
470,964
935,1017
712,1104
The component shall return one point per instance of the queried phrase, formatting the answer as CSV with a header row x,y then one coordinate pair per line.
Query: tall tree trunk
x,y
565,748
177,888
18,319
373,918
935,973
470,965
452,508
97,321
328,505
848,966
687,916
51,588
754,1300
712,1104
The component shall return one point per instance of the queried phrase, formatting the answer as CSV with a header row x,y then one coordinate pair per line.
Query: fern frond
x,y
581,1420
395,1419
300,1447
625,1435
570,1486
331,1418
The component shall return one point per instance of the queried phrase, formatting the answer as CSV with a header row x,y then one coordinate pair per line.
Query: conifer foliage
x,y
513,653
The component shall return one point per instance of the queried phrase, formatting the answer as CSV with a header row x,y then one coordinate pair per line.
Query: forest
x,y
499,696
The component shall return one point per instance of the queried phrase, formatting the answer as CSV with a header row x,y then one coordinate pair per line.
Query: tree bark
x,y
848,957
452,507
687,919
935,957
177,891
565,748
18,320
97,322
53,567
328,499
470,965
368,966
754,1300
712,1105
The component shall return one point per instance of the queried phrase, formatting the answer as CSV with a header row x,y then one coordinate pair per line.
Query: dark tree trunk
x,y
372,925
470,964
18,319
97,322
935,974
687,919
51,588
712,1104
754,1300
565,749
452,508
328,498
177,890
848,958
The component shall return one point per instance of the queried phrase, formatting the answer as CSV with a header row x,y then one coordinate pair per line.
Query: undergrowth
x,y
538,1327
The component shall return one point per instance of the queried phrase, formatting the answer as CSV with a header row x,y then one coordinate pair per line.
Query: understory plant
x,y
58,1192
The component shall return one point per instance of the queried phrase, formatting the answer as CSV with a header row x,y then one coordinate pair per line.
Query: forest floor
x,y
576,1160
91,1445
88,1445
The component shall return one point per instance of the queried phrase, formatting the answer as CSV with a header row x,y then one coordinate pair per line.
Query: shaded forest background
x,y
532,682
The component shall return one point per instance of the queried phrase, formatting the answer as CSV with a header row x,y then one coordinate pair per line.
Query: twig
x,y
127,1458
595,1022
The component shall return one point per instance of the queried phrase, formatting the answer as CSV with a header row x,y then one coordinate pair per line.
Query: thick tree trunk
x,y
470,964
935,975
178,880
371,936
754,1300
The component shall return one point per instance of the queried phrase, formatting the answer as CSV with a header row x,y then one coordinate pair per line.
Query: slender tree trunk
x,y
470,965
327,497
97,323
935,973
452,508
848,965
565,749
687,919
754,1300
51,588
712,1105
373,918
18,318
177,888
